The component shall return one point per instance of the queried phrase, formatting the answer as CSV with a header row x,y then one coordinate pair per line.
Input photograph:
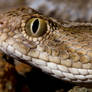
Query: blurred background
x,y
73,10
5,4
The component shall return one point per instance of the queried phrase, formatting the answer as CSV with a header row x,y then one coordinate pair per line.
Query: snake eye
x,y
36,27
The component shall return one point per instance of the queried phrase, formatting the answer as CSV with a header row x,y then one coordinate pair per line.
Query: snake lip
x,y
56,70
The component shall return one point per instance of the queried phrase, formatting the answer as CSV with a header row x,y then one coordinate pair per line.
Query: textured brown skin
x,y
66,40
62,38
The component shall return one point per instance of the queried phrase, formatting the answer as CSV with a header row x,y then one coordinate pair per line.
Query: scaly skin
x,y
63,51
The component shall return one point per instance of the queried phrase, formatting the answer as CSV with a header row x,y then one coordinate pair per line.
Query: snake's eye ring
x,y
36,27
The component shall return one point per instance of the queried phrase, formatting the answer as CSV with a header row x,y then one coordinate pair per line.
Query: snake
x,y
60,49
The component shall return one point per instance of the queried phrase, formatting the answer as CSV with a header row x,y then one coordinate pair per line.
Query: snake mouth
x,y
59,71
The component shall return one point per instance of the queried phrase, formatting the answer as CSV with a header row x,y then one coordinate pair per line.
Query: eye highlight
x,y
36,27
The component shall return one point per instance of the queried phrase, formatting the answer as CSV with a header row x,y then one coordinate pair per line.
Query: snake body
x,y
63,50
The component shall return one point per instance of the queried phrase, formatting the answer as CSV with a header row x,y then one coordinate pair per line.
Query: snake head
x,y
25,33
38,40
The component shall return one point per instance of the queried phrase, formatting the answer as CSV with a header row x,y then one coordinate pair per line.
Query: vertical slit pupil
x,y
35,26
